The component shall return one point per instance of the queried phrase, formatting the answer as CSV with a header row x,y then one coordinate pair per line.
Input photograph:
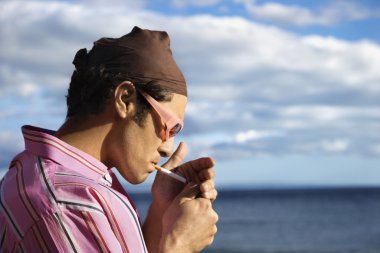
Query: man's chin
x,y
139,179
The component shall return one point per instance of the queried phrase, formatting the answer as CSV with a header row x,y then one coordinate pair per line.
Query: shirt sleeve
x,y
74,231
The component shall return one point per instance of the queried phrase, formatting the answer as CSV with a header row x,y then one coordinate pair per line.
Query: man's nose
x,y
166,148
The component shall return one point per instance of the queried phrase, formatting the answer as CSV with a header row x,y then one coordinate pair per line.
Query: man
x,y
126,103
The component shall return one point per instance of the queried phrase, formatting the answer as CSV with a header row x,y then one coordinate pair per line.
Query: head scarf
x,y
141,55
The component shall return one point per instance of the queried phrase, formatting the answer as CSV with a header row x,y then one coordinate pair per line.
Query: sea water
x,y
334,220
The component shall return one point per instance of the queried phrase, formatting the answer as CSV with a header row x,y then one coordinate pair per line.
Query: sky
x,y
281,93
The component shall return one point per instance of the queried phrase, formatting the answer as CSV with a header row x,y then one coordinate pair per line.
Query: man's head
x,y
141,56
119,77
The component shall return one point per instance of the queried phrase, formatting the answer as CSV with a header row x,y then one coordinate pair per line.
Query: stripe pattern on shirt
x,y
56,198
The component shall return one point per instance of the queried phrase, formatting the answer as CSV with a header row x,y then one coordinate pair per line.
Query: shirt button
x,y
108,177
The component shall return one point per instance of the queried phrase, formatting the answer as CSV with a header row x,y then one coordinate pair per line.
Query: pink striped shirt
x,y
56,198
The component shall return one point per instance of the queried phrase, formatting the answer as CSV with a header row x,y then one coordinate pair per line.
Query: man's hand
x,y
181,214
189,224
198,172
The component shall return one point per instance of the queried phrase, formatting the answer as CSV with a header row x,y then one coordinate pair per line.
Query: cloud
x,y
253,88
335,145
317,114
376,149
250,135
10,145
134,4
335,12
200,3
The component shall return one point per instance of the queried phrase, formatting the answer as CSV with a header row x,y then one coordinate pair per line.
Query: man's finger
x,y
177,158
190,192
199,164
207,174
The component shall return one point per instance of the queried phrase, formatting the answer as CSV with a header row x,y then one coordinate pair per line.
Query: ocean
x,y
331,220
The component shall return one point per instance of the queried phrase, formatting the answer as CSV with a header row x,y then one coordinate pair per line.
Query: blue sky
x,y
281,92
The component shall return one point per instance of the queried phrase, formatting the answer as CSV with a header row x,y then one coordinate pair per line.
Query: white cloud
x,y
200,3
328,114
376,149
10,144
335,146
8,137
28,89
249,135
130,3
333,13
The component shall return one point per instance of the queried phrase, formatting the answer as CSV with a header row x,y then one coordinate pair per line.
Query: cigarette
x,y
170,174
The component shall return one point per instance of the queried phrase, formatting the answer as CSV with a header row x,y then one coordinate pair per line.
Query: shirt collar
x,y
42,142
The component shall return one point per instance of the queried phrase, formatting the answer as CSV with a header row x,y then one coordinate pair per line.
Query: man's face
x,y
136,148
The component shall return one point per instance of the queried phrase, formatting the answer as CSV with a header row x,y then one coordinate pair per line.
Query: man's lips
x,y
154,163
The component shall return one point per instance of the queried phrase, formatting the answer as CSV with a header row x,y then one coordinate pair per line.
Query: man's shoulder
x,y
75,189
48,185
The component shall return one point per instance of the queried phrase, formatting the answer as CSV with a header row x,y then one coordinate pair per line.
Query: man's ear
x,y
125,98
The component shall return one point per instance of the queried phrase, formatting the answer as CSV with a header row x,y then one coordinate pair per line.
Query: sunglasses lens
x,y
175,130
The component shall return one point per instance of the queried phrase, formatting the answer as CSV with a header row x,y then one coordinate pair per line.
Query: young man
x,y
126,103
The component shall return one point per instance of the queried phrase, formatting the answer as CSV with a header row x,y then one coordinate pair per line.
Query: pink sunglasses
x,y
173,125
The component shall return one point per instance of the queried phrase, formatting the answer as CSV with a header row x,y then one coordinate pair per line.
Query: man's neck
x,y
86,134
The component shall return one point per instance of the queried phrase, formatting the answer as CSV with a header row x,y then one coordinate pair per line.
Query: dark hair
x,y
91,89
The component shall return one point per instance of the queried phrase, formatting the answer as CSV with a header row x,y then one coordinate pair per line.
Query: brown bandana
x,y
141,55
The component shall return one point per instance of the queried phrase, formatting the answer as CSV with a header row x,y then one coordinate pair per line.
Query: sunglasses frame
x,y
168,118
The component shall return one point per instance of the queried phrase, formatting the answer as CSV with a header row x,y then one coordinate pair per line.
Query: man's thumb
x,y
177,158
189,192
